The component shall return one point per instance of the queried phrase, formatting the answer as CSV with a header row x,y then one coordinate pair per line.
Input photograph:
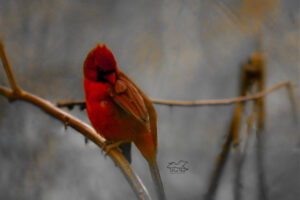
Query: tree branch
x,y
18,94
7,68
293,100
225,101
70,104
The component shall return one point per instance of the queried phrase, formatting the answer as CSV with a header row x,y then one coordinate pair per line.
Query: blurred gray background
x,y
174,50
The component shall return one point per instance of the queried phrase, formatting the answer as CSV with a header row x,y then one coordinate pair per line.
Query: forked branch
x,y
17,93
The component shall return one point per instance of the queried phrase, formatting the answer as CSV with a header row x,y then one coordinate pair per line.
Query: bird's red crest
x,y
101,57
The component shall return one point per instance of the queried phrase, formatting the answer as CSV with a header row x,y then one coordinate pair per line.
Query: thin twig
x,y
259,106
292,96
212,102
18,94
223,101
219,165
237,195
236,150
7,68
251,127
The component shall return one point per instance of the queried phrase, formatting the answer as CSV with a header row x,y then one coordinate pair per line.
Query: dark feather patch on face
x,y
101,75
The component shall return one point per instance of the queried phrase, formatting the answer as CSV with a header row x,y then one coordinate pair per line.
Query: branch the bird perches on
x,y
17,93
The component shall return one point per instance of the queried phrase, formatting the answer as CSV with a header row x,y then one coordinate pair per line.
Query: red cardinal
x,y
119,110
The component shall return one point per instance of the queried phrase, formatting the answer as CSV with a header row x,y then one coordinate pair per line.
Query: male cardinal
x,y
119,110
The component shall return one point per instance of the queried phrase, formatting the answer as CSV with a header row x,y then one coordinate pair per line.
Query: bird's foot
x,y
109,145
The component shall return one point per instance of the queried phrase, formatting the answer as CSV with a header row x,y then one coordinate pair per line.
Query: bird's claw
x,y
109,145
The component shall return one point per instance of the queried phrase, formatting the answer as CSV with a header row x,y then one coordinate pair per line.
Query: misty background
x,y
172,49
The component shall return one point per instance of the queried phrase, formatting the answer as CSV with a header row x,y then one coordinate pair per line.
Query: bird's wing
x,y
149,106
128,97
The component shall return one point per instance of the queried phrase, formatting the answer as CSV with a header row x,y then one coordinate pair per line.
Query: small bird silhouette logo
x,y
178,168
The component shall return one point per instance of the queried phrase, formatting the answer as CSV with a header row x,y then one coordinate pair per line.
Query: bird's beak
x,y
111,77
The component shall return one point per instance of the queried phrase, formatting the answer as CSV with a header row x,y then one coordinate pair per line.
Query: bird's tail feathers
x,y
156,179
